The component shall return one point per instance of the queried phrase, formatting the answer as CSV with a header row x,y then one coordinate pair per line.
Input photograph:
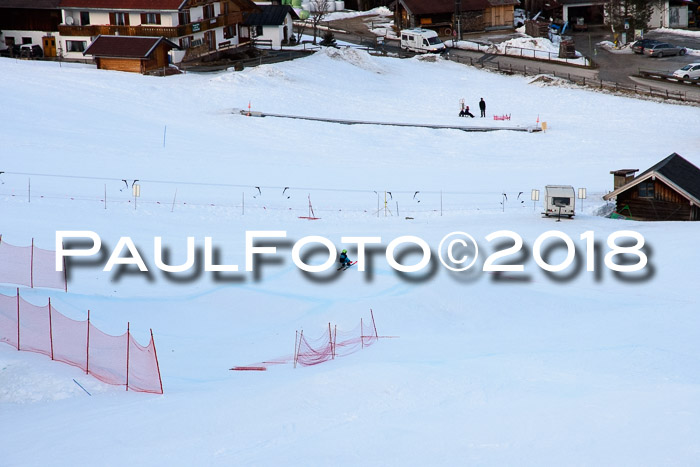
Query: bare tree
x,y
634,13
319,10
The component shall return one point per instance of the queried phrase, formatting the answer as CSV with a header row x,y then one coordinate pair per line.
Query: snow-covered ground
x,y
530,47
586,368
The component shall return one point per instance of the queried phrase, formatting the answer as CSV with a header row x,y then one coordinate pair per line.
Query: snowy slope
x,y
592,369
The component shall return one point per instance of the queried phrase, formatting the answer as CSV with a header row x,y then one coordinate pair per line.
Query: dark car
x,y
23,51
638,46
31,51
661,50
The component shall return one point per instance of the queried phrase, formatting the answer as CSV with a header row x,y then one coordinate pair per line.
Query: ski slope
x,y
581,368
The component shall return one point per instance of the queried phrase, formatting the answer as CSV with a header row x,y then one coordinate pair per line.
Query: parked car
x,y
663,49
690,71
421,41
638,46
31,51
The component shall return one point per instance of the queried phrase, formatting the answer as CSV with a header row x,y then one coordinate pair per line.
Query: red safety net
x,y
44,270
29,266
330,344
107,356
15,264
8,320
69,340
34,330
143,364
118,360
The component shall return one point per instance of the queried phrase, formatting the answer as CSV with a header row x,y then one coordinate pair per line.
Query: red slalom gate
x,y
117,360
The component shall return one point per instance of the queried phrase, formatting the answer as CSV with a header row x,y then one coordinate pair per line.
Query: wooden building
x,y
667,191
30,22
130,53
199,27
273,23
444,16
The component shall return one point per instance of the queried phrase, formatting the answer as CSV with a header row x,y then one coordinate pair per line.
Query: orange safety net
x,y
330,344
30,266
118,360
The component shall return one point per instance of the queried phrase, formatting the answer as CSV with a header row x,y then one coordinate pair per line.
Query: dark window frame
x,y
646,189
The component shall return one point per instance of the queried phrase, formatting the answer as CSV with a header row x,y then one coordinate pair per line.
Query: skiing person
x,y
482,107
467,113
344,260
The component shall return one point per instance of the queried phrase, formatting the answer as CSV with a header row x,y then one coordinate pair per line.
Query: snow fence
x,y
117,360
30,266
329,345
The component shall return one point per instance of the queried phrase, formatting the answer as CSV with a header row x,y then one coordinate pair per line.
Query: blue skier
x,y
344,260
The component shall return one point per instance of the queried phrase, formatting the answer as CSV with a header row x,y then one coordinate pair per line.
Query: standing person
x,y
482,106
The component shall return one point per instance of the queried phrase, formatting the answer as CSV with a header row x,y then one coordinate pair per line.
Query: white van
x,y
421,40
559,200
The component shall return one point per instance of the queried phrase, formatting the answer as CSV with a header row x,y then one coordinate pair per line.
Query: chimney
x,y
622,177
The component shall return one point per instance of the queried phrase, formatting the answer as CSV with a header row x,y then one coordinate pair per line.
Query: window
x,y
258,30
186,42
646,189
208,11
26,40
184,17
76,46
119,19
560,200
150,18
84,18
229,32
9,41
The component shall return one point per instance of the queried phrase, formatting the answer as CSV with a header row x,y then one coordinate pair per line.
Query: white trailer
x,y
559,200
421,40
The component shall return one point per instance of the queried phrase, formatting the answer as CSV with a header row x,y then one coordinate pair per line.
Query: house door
x,y
285,33
210,38
49,46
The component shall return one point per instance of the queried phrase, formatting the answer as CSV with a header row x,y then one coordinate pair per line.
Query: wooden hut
x,y
667,191
130,53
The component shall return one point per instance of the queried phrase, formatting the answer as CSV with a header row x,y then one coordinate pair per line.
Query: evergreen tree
x,y
328,39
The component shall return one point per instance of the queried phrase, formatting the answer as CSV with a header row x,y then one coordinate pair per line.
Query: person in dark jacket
x,y
344,260
482,107
467,113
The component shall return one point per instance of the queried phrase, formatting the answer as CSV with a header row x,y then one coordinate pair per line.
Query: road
x,y
612,67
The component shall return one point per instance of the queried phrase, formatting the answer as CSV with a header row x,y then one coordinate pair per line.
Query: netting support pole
x,y
296,344
87,347
335,338
17,318
31,266
374,324
330,340
301,338
128,344
153,343
362,335
50,329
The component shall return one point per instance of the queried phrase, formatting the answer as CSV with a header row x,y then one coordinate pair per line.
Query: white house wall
x,y
272,33
35,36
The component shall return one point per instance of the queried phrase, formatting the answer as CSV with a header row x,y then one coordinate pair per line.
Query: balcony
x,y
152,31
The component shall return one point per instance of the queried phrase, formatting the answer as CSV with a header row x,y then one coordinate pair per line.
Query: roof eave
x,y
647,176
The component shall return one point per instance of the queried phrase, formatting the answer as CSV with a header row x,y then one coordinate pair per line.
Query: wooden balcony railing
x,y
147,30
